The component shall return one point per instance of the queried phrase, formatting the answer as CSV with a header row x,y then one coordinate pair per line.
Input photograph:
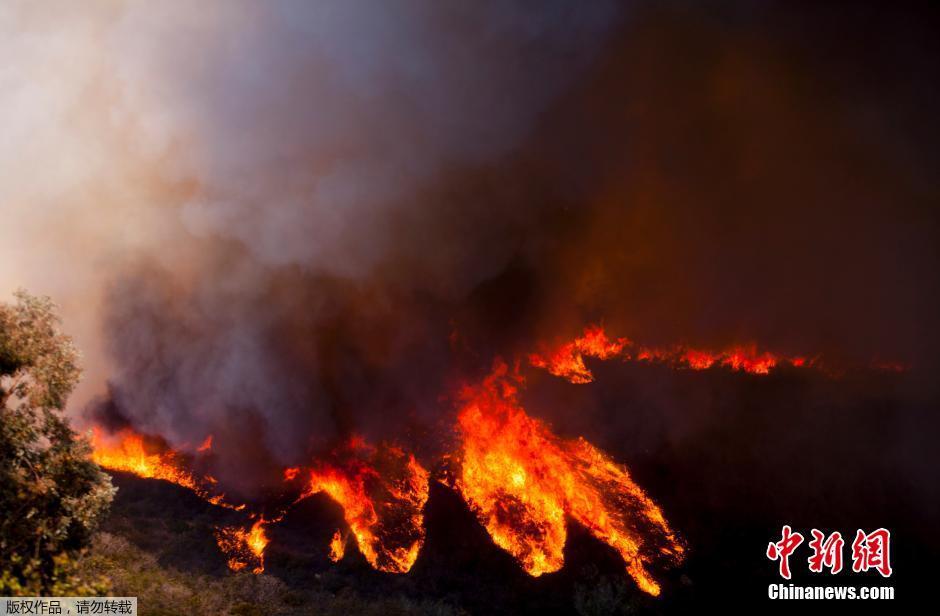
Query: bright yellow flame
x,y
383,508
337,546
522,481
244,547
129,454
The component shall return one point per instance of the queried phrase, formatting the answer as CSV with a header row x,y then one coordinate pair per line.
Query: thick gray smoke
x,y
310,127
251,203
282,222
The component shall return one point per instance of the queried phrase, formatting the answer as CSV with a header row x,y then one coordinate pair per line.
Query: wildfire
x,y
127,451
130,454
382,491
744,358
521,480
337,546
567,360
206,444
244,547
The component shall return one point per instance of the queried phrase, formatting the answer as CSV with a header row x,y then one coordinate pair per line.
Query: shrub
x,y
51,493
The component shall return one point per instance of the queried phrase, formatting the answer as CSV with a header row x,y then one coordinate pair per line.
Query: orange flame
x,y
127,451
742,358
244,547
567,360
337,546
382,492
130,454
522,481
206,444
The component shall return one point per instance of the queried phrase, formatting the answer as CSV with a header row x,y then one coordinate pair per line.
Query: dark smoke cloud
x,y
318,215
753,175
325,144
309,127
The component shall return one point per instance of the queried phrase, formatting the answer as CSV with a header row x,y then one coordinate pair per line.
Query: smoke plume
x,y
280,223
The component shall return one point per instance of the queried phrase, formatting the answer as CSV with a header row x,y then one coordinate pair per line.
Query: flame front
x,y
567,360
742,358
522,481
244,547
128,453
519,479
382,491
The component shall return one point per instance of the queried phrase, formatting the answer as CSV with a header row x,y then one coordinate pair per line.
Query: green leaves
x,y
51,493
38,362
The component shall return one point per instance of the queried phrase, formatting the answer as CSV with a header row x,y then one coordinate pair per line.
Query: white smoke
x,y
306,131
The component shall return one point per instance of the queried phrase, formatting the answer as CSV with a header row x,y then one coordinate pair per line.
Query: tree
x,y
51,493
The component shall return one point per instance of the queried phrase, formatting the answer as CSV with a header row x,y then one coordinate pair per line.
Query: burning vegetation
x,y
244,547
127,451
337,546
522,481
567,360
351,257
151,458
382,491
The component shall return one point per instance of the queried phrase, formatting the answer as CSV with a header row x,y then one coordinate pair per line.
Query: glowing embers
x,y
243,547
382,491
567,360
522,481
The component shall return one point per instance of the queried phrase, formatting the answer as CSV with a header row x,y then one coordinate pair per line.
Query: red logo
x,y
872,551
869,551
826,553
782,549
